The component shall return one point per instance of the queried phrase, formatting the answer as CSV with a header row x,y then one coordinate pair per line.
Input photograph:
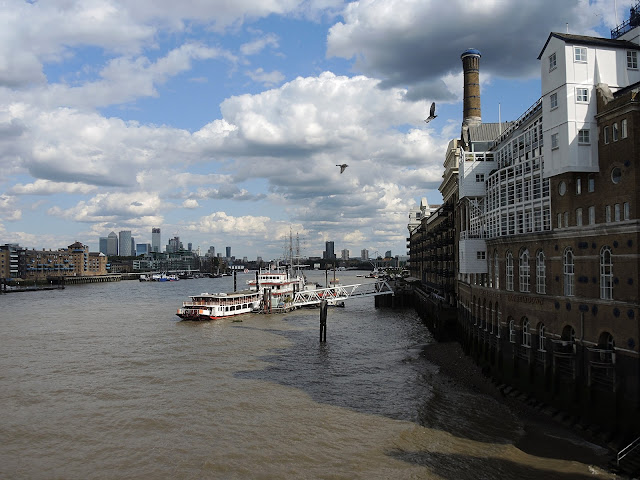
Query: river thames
x,y
103,381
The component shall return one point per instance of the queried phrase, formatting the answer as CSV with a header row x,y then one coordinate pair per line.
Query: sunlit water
x,y
104,381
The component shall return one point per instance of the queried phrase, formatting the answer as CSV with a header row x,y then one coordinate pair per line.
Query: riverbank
x,y
547,432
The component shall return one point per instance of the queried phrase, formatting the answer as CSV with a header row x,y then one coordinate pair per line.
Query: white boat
x,y
212,306
273,290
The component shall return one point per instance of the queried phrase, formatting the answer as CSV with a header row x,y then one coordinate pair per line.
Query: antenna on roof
x,y
499,120
615,10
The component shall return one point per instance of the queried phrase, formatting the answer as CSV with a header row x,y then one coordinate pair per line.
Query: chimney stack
x,y
471,68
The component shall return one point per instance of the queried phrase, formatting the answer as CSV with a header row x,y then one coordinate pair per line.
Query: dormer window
x,y
580,54
632,59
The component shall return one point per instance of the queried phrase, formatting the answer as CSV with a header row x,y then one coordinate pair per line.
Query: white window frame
x,y
592,215
524,270
607,134
582,95
591,183
580,54
554,141
480,177
553,100
578,186
553,61
614,132
584,138
623,128
480,255
509,271
542,339
632,59
606,273
616,212
512,331
607,213
626,208
541,273
568,272
579,217
526,333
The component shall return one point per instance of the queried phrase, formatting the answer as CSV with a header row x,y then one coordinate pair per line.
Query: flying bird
x,y
342,167
432,113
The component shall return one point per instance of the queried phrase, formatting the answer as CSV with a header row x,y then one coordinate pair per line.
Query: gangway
x,y
341,292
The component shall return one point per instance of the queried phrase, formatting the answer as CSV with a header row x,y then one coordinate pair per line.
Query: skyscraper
x,y
102,247
124,247
155,240
228,252
112,244
329,252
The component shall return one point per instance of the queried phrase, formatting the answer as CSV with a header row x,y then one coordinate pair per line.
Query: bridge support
x,y
323,321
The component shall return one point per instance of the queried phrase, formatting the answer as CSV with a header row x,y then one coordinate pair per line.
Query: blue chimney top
x,y
470,51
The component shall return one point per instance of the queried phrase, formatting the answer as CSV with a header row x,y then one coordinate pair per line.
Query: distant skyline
x,y
223,122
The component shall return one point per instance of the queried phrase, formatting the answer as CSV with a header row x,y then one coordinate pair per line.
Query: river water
x,y
103,381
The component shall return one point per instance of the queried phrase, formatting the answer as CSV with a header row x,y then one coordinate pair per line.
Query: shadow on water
x,y
454,466
381,370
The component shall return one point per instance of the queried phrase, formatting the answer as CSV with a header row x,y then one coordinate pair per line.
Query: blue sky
x,y
222,122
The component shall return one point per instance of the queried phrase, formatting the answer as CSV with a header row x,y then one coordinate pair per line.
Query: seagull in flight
x,y
342,167
432,113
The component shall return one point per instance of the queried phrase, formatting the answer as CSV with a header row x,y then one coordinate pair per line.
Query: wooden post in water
x,y
323,321
235,281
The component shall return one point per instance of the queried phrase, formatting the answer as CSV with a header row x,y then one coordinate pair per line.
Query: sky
x,y
222,122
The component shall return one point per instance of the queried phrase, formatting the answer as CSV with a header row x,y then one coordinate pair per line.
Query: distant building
x,y
75,260
189,246
387,254
112,245
364,255
155,240
102,247
12,261
228,250
211,252
344,254
124,245
143,249
329,251
174,245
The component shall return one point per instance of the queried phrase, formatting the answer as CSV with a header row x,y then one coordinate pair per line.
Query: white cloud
x,y
190,203
268,79
420,43
256,46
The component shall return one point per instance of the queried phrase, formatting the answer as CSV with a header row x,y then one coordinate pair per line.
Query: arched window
x,y
509,271
496,269
542,339
492,315
512,330
606,274
569,272
489,269
541,273
526,332
524,270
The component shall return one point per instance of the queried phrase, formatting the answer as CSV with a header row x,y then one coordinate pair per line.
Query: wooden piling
x,y
323,321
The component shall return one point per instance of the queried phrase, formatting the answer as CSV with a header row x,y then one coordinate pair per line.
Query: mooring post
x,y
235,281
323,321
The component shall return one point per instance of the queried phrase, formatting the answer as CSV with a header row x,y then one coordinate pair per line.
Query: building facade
x,y
547,235
156,245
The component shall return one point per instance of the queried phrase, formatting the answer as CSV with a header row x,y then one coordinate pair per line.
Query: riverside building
x,y
547,234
